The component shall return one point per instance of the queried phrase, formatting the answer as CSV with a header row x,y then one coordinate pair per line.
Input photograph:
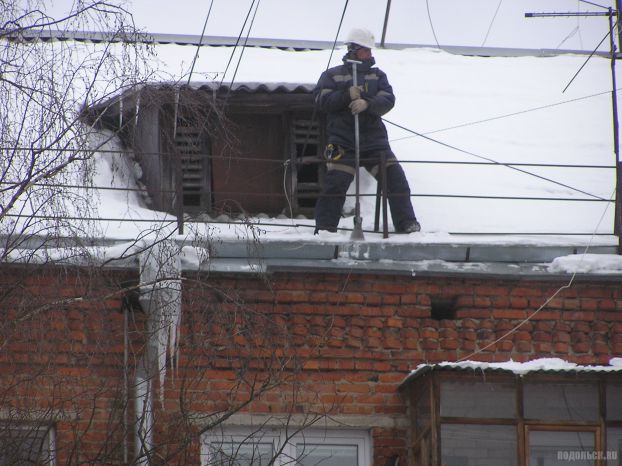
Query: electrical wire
x,y
427,5
237,43
492,22
494,161
507,115
259,223
286,164
594,4
548,300
570,35
579,27
343,14
96,219
588,58
196,55
250,27
291,211
319,161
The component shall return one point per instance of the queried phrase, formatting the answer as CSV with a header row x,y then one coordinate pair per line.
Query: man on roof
x,y
336,96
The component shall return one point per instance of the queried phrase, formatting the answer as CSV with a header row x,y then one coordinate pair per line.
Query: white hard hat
x,y
362,37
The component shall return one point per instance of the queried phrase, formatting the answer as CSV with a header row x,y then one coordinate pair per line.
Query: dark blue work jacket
x,y
332,97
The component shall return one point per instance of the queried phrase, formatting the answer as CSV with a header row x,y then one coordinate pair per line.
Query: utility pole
x,y
617,217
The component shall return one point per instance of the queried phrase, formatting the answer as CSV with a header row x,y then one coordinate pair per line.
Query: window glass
x,y
563,402
613,454
241,454
551,448
478,399
309,454
242,446
26,445
614,402
478,445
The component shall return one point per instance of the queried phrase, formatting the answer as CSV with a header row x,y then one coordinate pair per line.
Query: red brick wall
x,y
337,344
371,317
61,358
357,336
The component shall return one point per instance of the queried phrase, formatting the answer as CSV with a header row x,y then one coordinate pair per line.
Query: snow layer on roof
x,y
587,263
467,109
458,109
522,368
255,86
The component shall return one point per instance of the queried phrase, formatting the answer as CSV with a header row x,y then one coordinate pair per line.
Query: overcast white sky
x,y
494,23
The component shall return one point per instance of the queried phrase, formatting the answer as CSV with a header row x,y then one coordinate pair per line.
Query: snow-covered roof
x,y
193,40
473,133
237,86
536,366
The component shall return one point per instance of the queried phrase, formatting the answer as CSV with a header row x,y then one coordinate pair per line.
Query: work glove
x,y
357,106
355,92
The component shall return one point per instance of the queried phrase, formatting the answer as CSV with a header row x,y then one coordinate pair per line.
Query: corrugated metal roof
x,y
252,87
32,35
538,366
217,86
208,86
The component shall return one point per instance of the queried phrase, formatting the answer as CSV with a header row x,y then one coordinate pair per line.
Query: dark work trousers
x,y
340,174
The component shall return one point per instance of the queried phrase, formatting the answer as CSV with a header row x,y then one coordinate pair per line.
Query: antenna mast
x,y
617,226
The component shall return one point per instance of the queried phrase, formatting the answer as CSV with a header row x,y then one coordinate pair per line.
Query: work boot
x,y
329,229
410,227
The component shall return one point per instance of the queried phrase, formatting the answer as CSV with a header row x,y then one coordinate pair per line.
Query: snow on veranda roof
x,y
539,366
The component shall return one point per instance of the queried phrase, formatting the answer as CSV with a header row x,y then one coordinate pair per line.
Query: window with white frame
x,y
26,444
242,446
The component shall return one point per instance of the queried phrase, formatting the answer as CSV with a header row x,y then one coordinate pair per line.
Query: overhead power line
x,y
507,115
492,21
427,5
237,42
546,301
594,4
196,55
332,51
544,178
259,223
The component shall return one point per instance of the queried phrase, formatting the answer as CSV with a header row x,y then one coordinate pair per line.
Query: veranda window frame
x,y
428,385
595,430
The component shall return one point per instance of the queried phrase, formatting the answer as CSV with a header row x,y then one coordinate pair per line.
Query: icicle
x,y
121,113
175,112
160,267
137,110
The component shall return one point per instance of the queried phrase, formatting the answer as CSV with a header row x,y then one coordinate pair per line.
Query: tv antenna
x,y
610,13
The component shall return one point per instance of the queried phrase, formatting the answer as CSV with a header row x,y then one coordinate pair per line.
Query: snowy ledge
x,y
548,365
243,255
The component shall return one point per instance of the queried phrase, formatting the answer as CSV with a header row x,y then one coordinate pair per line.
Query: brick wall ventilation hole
x,y
443,308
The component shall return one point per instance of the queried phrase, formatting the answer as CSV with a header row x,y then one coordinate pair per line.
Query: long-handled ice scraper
x,y
357,232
